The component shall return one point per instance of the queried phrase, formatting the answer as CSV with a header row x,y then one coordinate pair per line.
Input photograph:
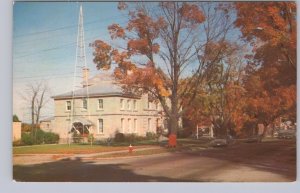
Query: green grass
x,y
137,153
103,147
66,149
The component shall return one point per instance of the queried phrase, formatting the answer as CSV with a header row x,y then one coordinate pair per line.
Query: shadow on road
x,y
276,157
77,170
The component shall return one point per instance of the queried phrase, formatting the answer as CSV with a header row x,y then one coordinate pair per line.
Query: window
x,y
122,125
68,105
129,125
128,104
149,105
134,105
122,103
100,103
135,125
84,103
100,125
149,124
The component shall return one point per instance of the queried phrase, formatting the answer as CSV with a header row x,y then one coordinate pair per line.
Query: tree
x,y
36,95
270,27
165,43
16,118
222,99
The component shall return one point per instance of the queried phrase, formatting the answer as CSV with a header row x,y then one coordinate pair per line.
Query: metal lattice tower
x,y
80,71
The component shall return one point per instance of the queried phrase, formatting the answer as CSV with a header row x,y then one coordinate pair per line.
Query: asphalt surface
x,y
262,162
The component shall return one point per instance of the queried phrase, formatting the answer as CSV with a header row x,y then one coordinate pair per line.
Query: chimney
x,y
85,76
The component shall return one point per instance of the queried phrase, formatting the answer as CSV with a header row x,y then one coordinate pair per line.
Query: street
x,y
245,162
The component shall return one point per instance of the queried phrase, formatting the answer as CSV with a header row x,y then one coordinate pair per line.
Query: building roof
x,y
48,119
101,86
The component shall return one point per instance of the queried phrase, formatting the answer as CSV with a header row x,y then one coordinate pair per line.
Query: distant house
x,y
47,124
101,108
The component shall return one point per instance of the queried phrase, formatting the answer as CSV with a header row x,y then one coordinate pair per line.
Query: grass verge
x,y
66,149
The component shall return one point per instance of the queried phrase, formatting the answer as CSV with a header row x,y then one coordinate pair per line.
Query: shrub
x,y
27,139
91,138
16,118
151,135
185,133
38,136
119,137
17,143
51,138
76,137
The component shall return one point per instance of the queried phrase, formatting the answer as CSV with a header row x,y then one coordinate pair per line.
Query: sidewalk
x,y
24,159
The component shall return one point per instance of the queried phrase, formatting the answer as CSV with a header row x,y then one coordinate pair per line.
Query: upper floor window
x,y
68,105
122,103
149,105
100,103
84,103
128,104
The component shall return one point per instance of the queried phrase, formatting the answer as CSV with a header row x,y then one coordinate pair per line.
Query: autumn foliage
x,y
181,55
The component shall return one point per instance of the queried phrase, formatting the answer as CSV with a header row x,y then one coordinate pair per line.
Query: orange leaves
x,y
116,31
192,13
138,46
270,21
102,54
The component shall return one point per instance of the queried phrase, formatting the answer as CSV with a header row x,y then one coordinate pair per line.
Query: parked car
x,y
287,134
219,142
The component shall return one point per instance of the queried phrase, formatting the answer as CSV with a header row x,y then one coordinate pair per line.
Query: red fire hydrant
x,y
130,148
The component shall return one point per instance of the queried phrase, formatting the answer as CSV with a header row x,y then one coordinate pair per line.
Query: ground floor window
x,y
129,125
122,125
149,124
100,125
135,125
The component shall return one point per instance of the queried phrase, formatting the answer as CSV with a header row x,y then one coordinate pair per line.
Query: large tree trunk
x,y
173,122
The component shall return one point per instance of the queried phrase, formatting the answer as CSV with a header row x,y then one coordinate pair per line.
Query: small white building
x,y
102,108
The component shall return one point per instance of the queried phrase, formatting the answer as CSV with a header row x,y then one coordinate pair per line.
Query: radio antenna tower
x,y
80,76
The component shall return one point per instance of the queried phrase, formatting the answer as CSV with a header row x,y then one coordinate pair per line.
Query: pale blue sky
x,y
44,43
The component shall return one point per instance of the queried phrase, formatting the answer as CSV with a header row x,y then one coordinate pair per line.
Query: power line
x,y
64,27
53,48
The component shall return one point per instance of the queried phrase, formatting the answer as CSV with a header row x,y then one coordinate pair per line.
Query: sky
x,y
44,45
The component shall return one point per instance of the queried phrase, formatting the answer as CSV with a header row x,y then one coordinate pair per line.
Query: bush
x,y
185,133
151,135
76,137
17,143
51,138
16,118
119,137
91,138
39,136
27,139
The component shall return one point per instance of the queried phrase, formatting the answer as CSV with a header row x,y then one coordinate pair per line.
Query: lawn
x,y
66,149
137,153
87,148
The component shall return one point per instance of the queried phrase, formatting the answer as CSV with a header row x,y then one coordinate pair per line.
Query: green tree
x,y
16,118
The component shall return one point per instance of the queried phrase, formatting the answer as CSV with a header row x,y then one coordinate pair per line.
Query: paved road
x,y
265,162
